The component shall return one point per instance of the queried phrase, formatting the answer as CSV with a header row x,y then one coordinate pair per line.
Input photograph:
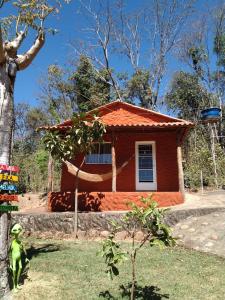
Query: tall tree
x,y
92,88
144,37
58,95
203,50
79,139
187,97
66,90
29,14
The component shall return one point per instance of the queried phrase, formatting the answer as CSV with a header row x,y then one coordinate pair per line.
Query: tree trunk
x,y
76,200
133,261
6,128
76,206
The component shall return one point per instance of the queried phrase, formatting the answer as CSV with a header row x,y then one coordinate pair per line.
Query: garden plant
x,y
150,220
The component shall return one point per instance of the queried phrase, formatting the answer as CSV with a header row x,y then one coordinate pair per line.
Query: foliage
x,y
138,87
78,88
144,36
79,138
58,95
91,87
34,170
30,13
199,158
149,219
113,255
187,97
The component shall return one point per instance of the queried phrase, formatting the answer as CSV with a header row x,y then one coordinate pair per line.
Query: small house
x,y
140,155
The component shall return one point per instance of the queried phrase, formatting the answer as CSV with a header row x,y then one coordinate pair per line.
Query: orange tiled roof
x,y
122,114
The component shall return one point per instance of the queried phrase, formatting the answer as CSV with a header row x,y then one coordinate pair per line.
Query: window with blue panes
x,y
100,154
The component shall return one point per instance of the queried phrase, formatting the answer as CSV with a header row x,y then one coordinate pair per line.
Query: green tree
x,y
143,37
79,139
58,96
25,15
138,88
199,159
69,90
149,219
27,149
91,87
187,97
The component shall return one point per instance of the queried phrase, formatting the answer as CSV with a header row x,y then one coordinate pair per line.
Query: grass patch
x,y
71,270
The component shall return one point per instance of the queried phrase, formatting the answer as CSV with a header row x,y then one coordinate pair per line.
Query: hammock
x,y
72,169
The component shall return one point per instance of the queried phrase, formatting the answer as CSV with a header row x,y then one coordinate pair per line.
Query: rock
x,y
180,236
139,236
184,226
92,233
81,234
214,237
209,244
104,233
191,230
59,235
121,235
67,236
204,223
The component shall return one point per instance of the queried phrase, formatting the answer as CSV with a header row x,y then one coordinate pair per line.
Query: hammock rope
x,y
72,169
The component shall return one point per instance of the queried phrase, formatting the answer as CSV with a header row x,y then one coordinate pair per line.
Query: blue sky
x,y
57,49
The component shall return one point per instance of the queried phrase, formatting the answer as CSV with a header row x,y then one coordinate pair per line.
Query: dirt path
x,y
201,200
32,203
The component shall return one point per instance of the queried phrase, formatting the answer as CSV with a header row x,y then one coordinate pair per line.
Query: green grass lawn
x,y
71,270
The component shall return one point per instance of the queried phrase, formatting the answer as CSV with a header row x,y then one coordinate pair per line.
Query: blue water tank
x,y
211,113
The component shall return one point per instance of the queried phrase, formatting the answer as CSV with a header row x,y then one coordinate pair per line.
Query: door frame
x,y
145,186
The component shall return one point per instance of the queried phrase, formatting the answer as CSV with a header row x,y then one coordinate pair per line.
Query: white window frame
x,y
100,163
145,186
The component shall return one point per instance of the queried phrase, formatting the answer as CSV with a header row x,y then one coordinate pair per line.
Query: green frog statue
x,y
17,249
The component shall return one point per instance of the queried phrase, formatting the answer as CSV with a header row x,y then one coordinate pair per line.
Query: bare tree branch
x,y
127,34
102,30
23,61
12,47
166,22
2,52
1,3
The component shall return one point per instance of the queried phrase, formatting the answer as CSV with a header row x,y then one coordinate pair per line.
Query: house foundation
x,y
108,201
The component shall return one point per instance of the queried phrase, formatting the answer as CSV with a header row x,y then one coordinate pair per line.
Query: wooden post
x,y
201,178
213,150
180,171
50,173
113,164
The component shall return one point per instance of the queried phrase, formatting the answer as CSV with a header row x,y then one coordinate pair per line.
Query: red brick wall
x,y
166,164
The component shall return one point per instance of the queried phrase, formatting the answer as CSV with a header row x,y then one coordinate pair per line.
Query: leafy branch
x,y
148,218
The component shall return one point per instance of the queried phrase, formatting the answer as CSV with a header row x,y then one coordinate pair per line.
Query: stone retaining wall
x,y
90,223
63,222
